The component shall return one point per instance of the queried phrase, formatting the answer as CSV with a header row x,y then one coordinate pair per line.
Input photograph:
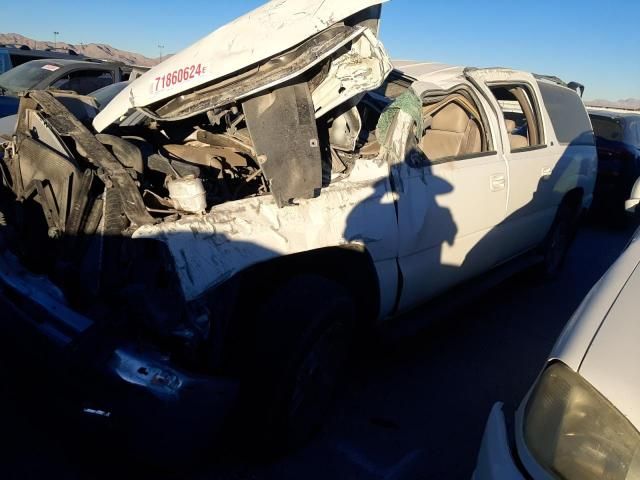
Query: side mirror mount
x,y
578,87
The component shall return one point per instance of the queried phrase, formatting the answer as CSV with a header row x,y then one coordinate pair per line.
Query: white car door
x,y
447,210
531,153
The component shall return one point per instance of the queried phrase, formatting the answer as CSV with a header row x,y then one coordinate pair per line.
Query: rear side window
x,y
568,115
5,61
607,128
635,132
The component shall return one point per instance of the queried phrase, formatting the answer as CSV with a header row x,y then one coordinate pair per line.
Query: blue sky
x,y
591,41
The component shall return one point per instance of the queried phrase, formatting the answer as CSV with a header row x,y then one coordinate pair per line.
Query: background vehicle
x,y
61,74
13,55
101,98
618,142
580,420
198,246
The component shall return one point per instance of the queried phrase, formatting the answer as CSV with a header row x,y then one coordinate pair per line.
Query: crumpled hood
x,y
273,28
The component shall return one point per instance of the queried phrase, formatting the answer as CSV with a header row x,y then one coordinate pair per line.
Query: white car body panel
x,y
494,459
600,343
611,362
210,249
447,220
435,233
577,336
259,35
441,234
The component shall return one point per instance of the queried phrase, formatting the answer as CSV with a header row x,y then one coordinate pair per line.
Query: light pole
x,y
55,40
160,48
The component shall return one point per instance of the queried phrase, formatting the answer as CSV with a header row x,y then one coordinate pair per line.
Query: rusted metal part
x,y
96,153
227,141
204,156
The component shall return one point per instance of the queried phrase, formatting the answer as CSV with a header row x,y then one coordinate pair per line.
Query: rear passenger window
x,y
607,128
568,115
521,116
5,62
635,128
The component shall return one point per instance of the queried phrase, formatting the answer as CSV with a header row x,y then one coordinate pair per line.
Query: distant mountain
x,y
94,50
629,103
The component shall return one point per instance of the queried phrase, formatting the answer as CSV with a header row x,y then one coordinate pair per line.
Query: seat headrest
x,y
518,141
451,118
511,125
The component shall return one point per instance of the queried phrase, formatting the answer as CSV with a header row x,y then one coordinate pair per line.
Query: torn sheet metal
x,y
273,28
269,74
210,249
362,69
431,75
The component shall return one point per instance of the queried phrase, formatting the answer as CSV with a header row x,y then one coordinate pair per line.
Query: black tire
x,y
559,239
303,336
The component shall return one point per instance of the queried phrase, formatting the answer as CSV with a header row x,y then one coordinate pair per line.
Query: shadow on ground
x,y
414,411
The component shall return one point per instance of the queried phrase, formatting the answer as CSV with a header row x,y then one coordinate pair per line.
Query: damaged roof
x,y
430,75
273,28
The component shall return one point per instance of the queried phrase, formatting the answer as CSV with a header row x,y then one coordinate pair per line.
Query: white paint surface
x,y
259,35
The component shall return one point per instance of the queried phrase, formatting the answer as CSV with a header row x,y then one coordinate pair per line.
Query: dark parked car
x,y
78,76
13,55
618,142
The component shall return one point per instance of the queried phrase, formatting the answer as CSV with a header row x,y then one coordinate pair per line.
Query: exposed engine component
x,y
188,194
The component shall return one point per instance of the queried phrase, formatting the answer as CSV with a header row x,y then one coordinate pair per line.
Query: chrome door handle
x,y
498,182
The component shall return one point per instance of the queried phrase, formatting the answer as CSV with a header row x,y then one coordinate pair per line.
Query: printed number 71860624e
x,y
178,76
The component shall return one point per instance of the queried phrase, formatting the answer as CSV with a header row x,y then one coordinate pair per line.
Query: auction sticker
x,y
51,68
178,76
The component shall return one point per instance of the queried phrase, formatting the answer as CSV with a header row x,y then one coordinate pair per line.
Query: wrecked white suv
x,y
225,227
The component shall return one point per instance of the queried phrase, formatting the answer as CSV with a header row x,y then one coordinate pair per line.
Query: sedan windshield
x,y
27,75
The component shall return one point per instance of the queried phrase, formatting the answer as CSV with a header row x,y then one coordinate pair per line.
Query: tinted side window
x,y
635,136
20,59
568,115
607,128
5,62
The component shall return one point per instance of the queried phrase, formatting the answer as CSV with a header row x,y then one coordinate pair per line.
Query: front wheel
x,y
303,335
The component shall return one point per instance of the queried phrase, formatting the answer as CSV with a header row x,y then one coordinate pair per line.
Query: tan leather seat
x,y
453,133
516,141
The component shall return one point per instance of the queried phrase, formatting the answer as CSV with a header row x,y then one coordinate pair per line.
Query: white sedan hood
x,y
612,362
273,28
601,340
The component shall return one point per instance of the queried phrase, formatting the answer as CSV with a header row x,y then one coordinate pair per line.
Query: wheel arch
x,y
351,266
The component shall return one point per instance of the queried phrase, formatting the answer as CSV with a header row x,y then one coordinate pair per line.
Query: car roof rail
x,y
552,79
576,86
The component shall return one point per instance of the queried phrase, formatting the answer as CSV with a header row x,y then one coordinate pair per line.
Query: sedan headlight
x,y
575,433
